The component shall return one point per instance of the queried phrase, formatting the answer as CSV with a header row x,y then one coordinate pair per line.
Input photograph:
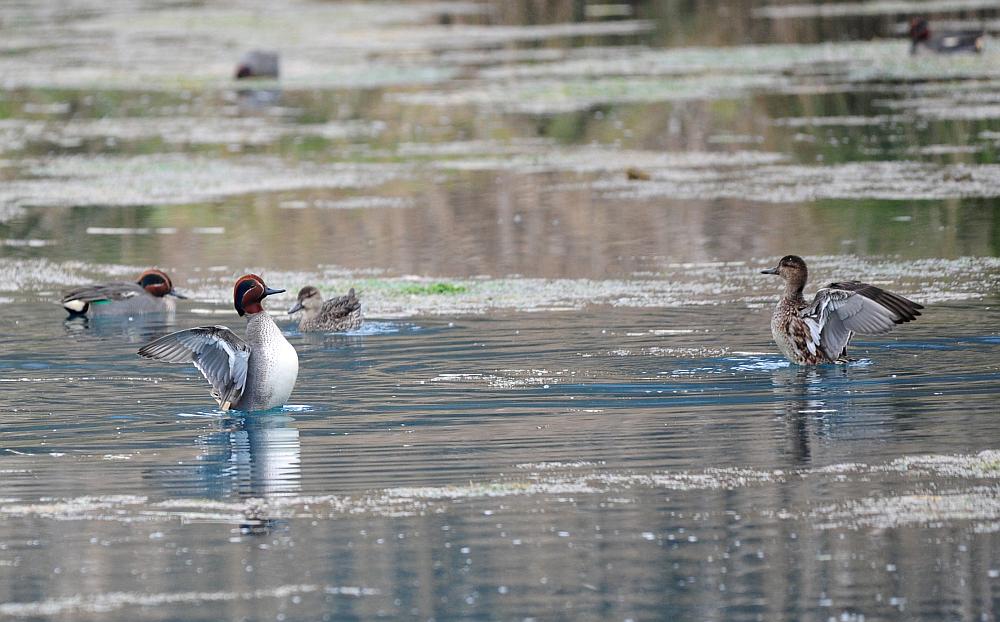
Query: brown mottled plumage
x,y
335,315
811,333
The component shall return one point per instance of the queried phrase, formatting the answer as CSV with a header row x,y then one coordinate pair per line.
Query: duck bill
x,y
769,271
177,294
295,308
270,292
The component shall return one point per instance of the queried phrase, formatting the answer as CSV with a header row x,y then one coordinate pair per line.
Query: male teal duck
x,y
921,39
258,64
153,292
257,373
812,333
339,314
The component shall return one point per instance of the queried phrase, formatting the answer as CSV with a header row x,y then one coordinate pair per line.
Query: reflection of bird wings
x,y
842,309
340,307
106,291
216,351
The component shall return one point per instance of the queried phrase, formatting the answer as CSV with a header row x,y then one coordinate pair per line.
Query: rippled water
x,y
565,403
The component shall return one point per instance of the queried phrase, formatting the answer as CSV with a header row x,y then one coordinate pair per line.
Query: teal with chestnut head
x,y
251,374
248,293
152,292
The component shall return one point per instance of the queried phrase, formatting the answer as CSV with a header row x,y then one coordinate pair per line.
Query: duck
x,y
817,332
152,292
258,64
339,314
921,39
252,374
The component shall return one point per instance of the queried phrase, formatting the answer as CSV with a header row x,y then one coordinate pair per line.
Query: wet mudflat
x,y
566,403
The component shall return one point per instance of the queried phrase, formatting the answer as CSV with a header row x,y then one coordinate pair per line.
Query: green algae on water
x,y
433,289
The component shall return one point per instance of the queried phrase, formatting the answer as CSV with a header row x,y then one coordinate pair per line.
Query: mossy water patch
x,y
434,289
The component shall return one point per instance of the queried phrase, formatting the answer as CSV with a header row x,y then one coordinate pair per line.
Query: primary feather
x,y
842,309
218,353
107,291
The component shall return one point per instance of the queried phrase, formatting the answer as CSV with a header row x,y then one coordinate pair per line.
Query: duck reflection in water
x,y
254,456
803,397
137,329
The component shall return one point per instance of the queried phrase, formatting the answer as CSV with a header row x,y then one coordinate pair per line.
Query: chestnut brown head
x,y
248,293
157,283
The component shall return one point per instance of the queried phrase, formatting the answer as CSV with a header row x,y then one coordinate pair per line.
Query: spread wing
x,y
103,291
842,309
340,307
218,353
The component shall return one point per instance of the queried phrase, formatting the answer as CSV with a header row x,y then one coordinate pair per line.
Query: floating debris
x,y
926,280
105,602
636,174
178,179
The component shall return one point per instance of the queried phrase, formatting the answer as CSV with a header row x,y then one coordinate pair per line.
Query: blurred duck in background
x,y
923,40
153,292
258,64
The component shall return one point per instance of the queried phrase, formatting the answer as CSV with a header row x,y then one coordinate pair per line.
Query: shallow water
x,y
565,403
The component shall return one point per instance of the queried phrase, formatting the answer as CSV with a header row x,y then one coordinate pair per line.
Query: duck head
x,y
248,293
158,284
793,270
310,299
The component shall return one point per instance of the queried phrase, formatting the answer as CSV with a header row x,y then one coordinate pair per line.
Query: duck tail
x,y
76,308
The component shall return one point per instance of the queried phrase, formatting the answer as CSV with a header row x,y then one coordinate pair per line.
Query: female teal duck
x,y
338,314
811,333
257,373
151,293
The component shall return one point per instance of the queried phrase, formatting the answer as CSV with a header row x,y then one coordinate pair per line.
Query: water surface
x,y
566,403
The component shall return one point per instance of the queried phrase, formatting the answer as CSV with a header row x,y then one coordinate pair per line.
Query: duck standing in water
x,y
811,333
257,373
339,314
151,293
921,39
258,64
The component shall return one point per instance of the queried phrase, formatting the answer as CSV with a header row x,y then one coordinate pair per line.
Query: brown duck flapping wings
x,y
842,309
105,291
218,353
340,307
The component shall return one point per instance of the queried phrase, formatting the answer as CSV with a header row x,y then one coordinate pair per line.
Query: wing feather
x,y
218,353
842,309
341,306
105,291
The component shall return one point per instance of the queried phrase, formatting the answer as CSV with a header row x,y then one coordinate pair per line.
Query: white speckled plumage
x,y
273,366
